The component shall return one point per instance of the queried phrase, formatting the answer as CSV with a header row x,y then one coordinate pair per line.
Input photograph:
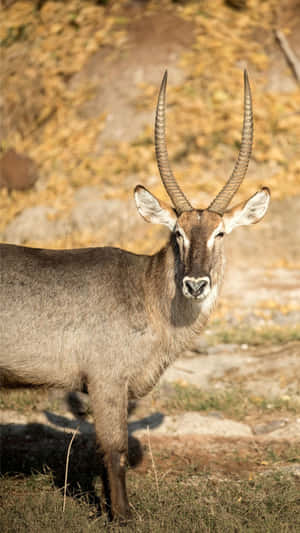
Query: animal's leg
x,y
116,462
110,413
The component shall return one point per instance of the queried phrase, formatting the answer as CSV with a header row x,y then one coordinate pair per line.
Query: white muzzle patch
x,y
196,288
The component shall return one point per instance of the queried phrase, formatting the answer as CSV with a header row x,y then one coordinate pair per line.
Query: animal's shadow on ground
x,y
36,447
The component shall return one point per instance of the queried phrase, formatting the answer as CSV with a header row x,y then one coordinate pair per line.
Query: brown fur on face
x,y
197,260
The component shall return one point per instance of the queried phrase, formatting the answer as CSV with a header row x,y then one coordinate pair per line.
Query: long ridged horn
x,y
225,196
179,200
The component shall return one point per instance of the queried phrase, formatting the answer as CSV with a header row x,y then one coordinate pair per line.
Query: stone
x,y
34,224
191,423
17,171
261,429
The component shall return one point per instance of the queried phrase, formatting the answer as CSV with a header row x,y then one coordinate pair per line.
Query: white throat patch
x,y
209,302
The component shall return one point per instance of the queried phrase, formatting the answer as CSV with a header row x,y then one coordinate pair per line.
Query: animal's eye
x,y
220,234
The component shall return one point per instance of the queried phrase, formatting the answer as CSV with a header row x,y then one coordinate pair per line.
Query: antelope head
x,y
198,234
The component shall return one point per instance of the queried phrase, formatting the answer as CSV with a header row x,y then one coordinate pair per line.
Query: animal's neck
x,y
179,318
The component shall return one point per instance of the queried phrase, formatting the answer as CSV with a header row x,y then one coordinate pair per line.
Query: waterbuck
x,y
112,321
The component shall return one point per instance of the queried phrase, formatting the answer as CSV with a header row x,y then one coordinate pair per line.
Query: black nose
x,y
195,286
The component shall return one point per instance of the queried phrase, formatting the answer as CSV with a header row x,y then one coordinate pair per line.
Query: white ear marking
x,y
152,210
249,212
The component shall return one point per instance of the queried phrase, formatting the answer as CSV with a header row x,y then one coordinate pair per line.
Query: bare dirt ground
x,y
231,407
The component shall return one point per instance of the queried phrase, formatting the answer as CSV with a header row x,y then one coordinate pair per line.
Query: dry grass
x,y
189,503
219,332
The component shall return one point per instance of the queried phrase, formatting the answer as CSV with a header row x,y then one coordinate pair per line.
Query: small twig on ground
x,y
67,466
289,54
153,464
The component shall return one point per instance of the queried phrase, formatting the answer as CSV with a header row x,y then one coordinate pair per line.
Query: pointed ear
x,y
153,210
249,212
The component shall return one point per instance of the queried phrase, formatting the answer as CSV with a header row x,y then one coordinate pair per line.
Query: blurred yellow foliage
x,y
42,50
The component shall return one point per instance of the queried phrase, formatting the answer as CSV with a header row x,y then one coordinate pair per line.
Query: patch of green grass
x,y
269,503
26,399
253,336
34,504
233,402
279,403
191,398
290,453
